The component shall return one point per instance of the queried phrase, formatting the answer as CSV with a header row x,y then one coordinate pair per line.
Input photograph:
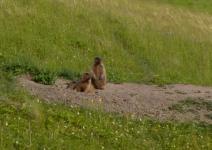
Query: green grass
x,y
140,41
29,123
58,127
197,5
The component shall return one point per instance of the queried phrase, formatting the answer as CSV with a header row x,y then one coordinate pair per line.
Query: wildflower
x,y
201,137
6,123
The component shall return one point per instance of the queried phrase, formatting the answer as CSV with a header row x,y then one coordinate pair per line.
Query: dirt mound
x,y
171,102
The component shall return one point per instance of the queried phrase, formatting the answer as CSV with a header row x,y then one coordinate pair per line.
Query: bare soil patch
x,y
171,102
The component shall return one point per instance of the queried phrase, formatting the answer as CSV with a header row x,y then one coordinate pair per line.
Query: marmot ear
x,y
97,58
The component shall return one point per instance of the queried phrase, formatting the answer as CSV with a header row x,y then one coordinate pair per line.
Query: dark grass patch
x,y
209,116
42,76
68,74
18,69
191,104
45,77
208,105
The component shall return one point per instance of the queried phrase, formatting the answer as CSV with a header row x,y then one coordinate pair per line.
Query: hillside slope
x,y
140,41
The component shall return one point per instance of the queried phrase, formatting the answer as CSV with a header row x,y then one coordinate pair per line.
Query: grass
x,y
159,43
58,127
140,41
197,5
191,103
29,123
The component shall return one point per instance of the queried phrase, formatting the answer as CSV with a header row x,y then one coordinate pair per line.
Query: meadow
x,y
152,42
160,43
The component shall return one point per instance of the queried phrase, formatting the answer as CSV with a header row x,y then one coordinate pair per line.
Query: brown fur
x,y
85,84
99,78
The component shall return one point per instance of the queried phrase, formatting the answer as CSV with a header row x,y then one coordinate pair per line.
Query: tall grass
x,y
140,41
